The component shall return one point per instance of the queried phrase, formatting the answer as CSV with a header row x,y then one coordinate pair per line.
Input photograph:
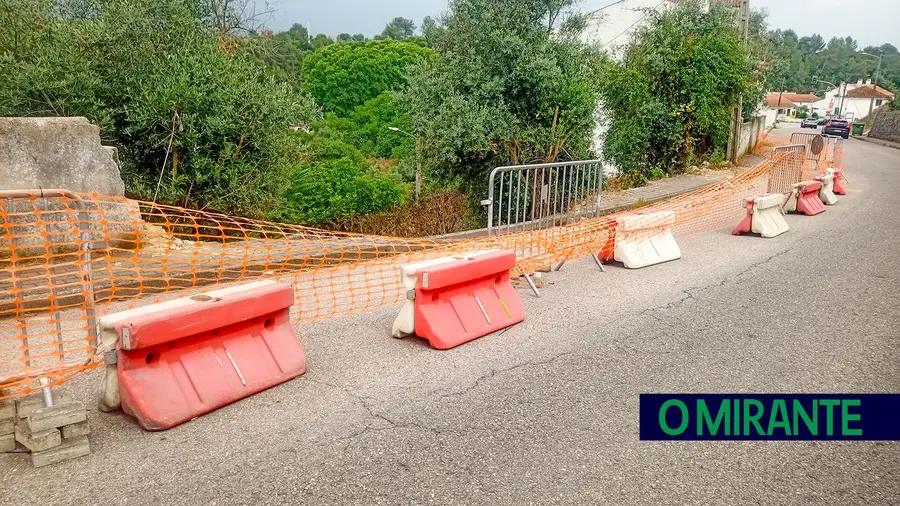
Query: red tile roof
x,y
802,98
868,91
774,100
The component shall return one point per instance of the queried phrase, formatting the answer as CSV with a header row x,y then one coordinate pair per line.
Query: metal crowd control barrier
x,y
814,144
537,196
781,181
530,197
25,369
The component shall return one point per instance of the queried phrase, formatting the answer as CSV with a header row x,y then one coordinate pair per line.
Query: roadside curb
x,y
888,144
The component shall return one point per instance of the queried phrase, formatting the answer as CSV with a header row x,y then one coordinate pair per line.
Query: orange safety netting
x,y
66,259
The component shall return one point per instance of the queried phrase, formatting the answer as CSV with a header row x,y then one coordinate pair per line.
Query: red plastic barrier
x,y
808,202
184,361
746,225
839,182
463,300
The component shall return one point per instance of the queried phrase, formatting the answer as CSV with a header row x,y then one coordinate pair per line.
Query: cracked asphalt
x,y
547,411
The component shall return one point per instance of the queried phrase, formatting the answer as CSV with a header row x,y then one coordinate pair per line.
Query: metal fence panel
x,y
531,197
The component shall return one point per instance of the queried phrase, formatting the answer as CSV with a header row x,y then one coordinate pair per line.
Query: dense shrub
x,y
178,98
669,100
345,75
335,184
512,83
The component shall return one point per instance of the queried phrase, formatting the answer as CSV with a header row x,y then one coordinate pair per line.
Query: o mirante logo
x,y
776,417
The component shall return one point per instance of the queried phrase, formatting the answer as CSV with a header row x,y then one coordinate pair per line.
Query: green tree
x,y
198,119
399,29
669,98
503,90
321,40
344,76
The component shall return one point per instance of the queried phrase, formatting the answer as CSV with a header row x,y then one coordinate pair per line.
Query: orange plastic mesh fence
x,y
66,258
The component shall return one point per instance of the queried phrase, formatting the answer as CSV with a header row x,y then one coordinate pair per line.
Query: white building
x,y
852,101
783,105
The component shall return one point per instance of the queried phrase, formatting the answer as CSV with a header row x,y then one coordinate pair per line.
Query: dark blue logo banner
x,y
770,417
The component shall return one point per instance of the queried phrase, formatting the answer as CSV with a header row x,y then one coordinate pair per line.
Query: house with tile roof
x,y
853,100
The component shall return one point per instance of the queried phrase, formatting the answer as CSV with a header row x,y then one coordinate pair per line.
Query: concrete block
x,y
57,416
7,443
76,430
7,409
28,404
37,441
8,426
69,449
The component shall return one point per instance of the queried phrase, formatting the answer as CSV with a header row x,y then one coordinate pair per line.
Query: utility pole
x,y
737,120
874,88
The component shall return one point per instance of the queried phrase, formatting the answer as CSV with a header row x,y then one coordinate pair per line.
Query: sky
x,y
870,22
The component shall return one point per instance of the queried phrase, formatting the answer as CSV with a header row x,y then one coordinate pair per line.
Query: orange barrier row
x,y
65,258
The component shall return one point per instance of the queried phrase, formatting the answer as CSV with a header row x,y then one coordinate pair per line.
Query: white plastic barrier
x,y
790,205
405,323
767,216
826,193
646,239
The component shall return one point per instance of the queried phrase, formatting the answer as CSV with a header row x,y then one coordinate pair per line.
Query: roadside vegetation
x,y
211,110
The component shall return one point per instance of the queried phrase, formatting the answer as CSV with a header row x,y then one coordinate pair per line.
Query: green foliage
x,y
399,29
811,65
335,185
367,128
343,76
802,112
670,98
505,89
178,100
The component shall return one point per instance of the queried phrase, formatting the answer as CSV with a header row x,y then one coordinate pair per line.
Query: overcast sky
x,y
868,21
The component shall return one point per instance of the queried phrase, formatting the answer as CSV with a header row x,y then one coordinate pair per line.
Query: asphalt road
x,y
546,412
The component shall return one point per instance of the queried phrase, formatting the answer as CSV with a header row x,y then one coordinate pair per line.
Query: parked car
x,y
838,127
809,123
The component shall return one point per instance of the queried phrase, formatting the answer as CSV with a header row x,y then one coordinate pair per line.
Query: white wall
x,y
614,25
770,115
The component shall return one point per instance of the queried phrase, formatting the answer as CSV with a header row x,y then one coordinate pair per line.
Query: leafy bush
x,y
345,75
179,100
670,99
335,184
332,192
511,84
367,128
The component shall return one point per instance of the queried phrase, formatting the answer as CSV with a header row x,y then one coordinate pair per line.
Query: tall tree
x,y
344,76
399,29
669,98
502,90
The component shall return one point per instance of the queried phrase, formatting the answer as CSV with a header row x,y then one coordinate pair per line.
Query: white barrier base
x,y
826,193
768,219
646,239
405,323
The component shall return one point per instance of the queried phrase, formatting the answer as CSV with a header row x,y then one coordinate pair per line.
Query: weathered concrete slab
x,y
76,430
35,401
7,443
57,153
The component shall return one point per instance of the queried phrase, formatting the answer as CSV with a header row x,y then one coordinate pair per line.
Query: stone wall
x,y
886,126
